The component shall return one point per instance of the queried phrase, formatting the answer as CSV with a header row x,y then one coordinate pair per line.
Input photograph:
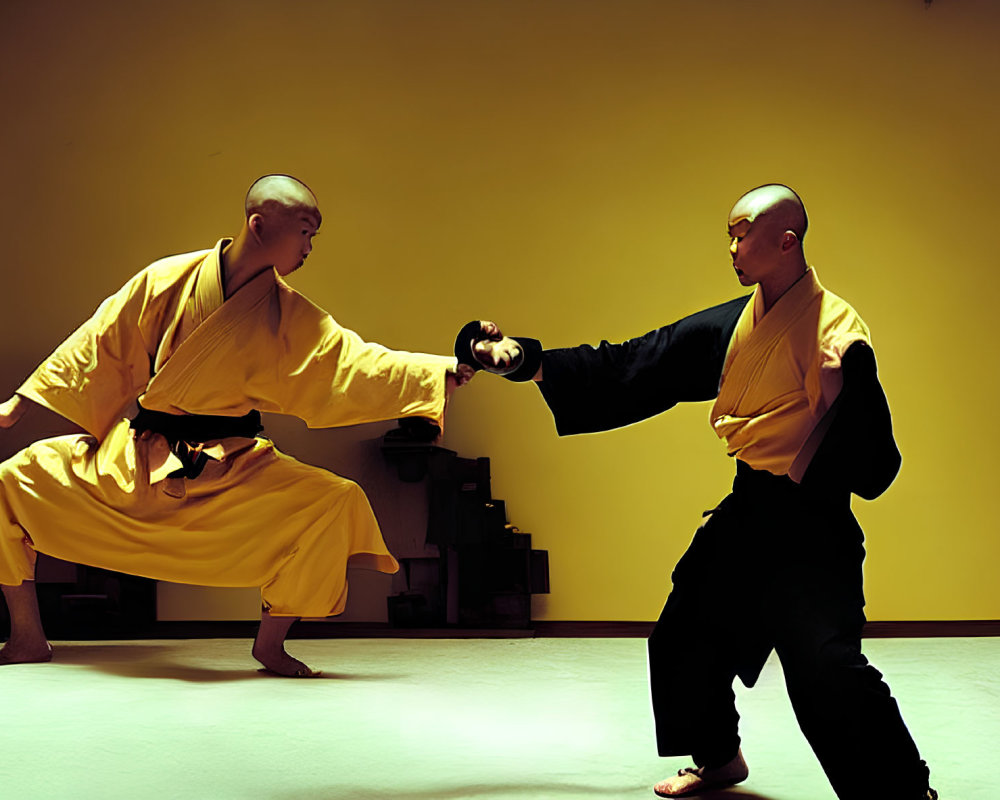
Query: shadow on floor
x,y
345,676
143,661
159,661
522,791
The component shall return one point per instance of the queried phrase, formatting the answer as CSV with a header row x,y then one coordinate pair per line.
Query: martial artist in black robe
x,y
777,564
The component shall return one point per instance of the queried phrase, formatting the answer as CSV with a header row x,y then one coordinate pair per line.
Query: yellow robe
x,y
254,517
782,374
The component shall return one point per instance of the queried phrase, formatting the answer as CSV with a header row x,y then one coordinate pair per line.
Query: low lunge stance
x,y
171,480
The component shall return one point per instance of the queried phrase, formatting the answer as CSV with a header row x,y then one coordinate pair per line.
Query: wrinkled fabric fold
x,y
782,374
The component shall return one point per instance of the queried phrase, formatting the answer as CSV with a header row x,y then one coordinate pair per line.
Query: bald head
x,y
766,227
281,194
782,208
282,217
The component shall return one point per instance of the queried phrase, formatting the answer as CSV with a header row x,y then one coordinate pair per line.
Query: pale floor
x,y
435,720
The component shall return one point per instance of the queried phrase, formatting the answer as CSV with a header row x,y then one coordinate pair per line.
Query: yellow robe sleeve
x,y
329,376
93,376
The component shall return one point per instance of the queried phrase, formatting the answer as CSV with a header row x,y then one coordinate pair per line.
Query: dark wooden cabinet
x,y
486,569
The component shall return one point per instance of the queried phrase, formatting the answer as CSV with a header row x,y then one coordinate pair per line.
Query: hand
x,y
462,375
494,350
489,330
11,411
481,345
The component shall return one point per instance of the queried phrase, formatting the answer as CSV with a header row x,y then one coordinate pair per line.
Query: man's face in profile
x,y
293,240
744,248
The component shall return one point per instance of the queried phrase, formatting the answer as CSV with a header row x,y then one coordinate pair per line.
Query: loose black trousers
x,y
778,566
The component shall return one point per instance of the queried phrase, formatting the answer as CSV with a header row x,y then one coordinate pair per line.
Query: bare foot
x,y
28,653
691,781
279,662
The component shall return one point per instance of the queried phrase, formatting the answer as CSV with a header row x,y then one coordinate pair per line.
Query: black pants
x,y
777,566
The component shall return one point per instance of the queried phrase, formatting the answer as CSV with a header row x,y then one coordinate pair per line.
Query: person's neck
x,y
774,288
240,265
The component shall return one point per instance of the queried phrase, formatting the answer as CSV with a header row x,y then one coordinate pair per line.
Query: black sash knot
x,y
187,433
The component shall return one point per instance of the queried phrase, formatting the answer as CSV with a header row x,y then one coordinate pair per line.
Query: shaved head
x,y
782,208
281,194
765,229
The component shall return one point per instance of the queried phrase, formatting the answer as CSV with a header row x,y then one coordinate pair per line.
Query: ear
x,y
255,224
788,241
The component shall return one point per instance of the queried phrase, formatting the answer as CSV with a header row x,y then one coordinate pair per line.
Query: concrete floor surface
x,y
415,719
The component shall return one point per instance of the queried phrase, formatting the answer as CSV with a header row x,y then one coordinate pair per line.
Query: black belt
x,y
781,488
186,433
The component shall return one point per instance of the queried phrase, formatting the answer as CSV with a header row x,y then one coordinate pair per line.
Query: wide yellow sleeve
x,y
328,376
93,376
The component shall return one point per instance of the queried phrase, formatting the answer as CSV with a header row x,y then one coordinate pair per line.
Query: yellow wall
x,y
565,168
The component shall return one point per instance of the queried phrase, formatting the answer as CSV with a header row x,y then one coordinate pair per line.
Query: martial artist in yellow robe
x,y
171,342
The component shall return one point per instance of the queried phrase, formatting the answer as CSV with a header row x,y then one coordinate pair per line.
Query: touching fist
x,y
481,345
496,352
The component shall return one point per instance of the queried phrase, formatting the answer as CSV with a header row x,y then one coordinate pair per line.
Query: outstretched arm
x,y
329,376
592,389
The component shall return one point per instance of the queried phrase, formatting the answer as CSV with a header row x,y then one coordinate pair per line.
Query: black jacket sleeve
x,y
592,389
858,451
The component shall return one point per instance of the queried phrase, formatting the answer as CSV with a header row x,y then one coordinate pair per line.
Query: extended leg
x,y
269,648
843,706
852,722
27,641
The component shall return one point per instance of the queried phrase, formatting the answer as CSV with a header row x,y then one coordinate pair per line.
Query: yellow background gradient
x,y
564,168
